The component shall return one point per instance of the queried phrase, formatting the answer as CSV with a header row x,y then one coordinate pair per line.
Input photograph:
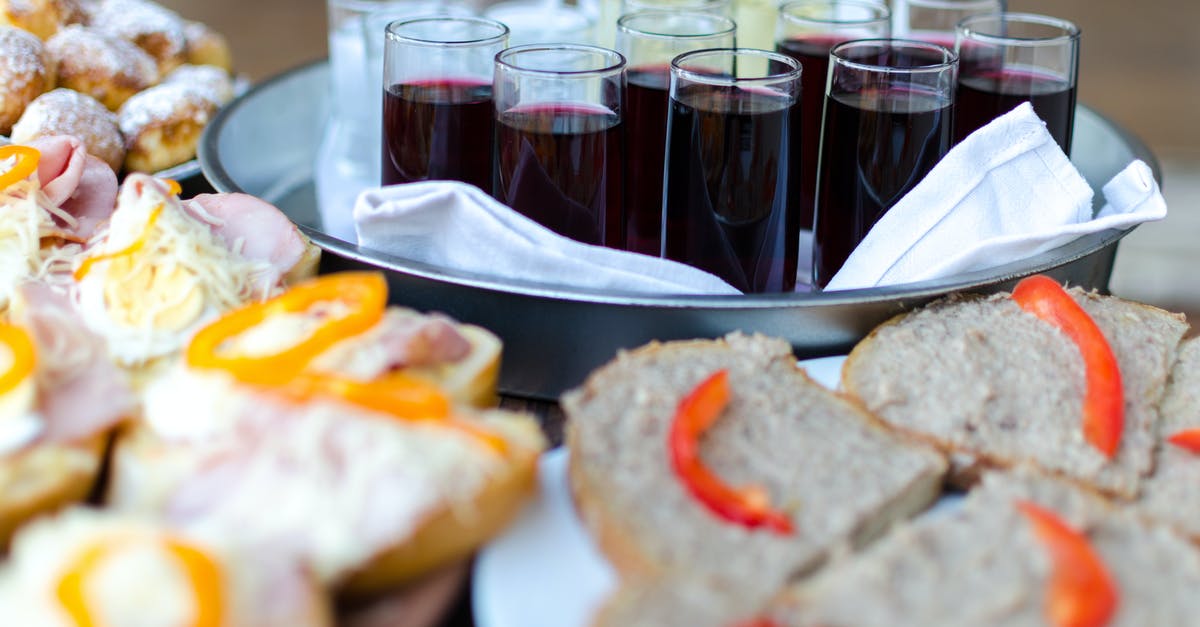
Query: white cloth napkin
x,y
1005,193
454,225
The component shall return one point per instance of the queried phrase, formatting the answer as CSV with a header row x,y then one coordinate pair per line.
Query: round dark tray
x,y
265,144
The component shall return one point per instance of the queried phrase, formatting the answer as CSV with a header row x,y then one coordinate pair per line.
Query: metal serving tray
x,y
265,143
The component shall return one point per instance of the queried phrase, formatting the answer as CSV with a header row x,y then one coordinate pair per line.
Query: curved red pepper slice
x,y
1104,403
1187,439
1081,592
746,506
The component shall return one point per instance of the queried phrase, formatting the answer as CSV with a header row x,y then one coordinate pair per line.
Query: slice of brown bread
x,y
838,473
995,385
983,565
1172,494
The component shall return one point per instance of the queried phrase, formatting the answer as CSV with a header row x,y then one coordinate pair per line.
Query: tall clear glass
x,y
1009,58
934,20
438,117
731,205
807,31
356,36
559,140
650,40
888,121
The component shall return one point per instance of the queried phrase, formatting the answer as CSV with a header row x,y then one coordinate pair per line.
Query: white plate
x,y
544,570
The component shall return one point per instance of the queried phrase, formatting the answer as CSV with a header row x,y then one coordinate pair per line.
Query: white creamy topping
x,y
117,588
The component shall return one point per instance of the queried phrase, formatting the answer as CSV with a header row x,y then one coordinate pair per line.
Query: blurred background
x,y
1140,67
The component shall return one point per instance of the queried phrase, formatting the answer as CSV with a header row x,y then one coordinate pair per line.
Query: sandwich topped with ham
x,y
326,426
59,399
53,195
162,268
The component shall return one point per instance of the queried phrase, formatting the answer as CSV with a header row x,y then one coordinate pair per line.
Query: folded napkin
x,y
454,225
1005,193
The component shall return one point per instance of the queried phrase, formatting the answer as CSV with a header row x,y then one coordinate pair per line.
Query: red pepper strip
x,y
1187,439
27,162
1081,592
1104,403
747,506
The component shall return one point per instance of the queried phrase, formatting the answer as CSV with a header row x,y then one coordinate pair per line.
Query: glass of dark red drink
x,y
934,20
888,121
649,40
437,102
559,138
807,30
1009,58
731,200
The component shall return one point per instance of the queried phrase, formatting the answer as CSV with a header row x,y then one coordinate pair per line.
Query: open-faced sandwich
x,y
1022,550
161,268
53,195
86,567
327,427
1064,379
59,399
704,466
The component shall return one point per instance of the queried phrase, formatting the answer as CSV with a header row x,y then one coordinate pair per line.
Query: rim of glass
x,y
884,16
729,26
393,30
956,4
711,79
617,64
706,6
951,57
1069,31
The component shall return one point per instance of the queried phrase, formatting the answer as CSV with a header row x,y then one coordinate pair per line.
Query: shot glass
x,y
438,117
807,30
649,40
888,121
934,20
559,138
731,203
1009,58
610,12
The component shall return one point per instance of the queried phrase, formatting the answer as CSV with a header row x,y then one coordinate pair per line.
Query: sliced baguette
x,y
983,565
995,386
45,478
839,474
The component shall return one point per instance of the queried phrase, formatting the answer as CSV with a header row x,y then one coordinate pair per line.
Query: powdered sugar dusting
x,y
134,19
67,112
21,59
161,104
78,50
211,80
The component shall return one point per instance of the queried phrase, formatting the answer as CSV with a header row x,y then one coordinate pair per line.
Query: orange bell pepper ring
x,y
364,293
1104,401
746,506
1188,439
27,158
1081,592
203,575
22,353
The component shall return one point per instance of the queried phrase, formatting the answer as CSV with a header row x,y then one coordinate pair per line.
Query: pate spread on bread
x,y
996,386
839,477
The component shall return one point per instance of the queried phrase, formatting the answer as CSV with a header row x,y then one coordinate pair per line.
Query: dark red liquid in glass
x,y
878,145
987,94
438,130
646,96
813,55
560,164
732,205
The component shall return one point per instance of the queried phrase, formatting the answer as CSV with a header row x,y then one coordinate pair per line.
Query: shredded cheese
x,y
27,217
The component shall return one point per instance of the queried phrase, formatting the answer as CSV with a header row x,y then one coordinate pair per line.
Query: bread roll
x,y
26,72
212,80
151,27
40,17
67,112
106,68
206,46
162,125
